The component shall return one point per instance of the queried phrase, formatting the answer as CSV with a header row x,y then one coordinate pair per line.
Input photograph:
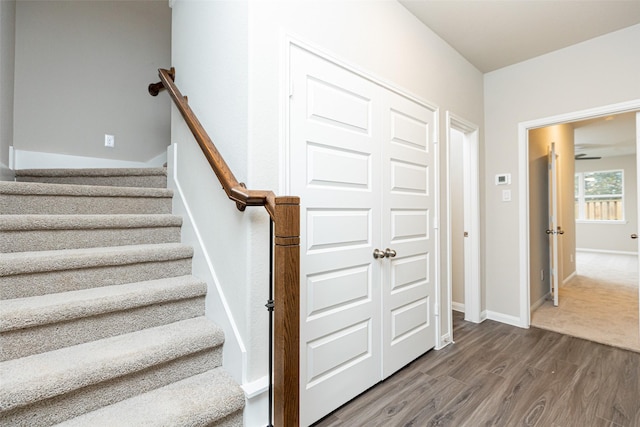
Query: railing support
x,y
287,309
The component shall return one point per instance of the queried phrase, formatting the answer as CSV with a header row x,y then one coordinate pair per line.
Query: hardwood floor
x,y
496,374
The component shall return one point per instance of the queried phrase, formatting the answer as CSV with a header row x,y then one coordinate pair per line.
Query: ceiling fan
x,y
583,156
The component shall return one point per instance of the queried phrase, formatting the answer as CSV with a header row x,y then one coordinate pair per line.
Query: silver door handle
x,y
377,253
389,253
634,236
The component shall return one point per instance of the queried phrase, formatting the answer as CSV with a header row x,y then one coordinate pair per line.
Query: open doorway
x,y
597,209
463,234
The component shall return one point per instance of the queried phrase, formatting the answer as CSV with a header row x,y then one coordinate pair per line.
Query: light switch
x,y
506,195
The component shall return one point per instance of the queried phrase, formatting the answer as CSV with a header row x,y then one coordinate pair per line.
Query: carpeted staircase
x,y
101,322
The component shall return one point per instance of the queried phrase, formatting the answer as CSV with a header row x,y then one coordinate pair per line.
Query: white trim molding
x,y
523,186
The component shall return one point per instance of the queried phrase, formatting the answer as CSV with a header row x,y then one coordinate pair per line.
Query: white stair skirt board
x,y
37,160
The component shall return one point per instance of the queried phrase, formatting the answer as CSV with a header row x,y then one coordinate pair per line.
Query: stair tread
x,y
46,189
20,313
197,400
97,172
41,376
67,259
67,222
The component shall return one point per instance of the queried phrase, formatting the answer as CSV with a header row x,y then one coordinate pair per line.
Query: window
x,y
600,196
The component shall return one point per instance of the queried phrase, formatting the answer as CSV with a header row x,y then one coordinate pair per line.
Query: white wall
x,y
209,52
612,237
380,38
7,58
230,60
82,70
598,72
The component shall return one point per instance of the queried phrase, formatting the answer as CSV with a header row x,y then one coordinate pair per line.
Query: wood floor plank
x,y
499,375
457,412
621,389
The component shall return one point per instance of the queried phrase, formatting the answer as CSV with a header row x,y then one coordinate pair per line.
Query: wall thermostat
x,y
503,179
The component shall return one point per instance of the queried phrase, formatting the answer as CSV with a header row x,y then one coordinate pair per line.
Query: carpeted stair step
x,y
211,398
32,198
26,274
120,177
43,323
55,386
24,233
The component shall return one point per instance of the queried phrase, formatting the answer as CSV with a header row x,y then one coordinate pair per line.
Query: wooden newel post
x,y
287,312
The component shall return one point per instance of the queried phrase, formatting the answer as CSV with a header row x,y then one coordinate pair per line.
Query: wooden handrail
x,y
285,214
236,191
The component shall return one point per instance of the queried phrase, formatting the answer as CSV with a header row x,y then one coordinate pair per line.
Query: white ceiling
x,y
492,34
606,136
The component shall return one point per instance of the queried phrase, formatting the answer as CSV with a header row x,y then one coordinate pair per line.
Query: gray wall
x,y
7,52
82,70
612,237
598,72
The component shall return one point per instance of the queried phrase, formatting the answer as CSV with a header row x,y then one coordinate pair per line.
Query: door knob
x,y
377,253
549,232
634,236
560,230
389,253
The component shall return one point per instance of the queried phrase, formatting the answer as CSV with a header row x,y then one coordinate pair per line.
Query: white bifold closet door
x,y
362,162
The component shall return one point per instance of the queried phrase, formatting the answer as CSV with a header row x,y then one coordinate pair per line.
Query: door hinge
x,y
290,88
436,309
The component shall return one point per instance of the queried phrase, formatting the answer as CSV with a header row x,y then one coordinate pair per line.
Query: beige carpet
x,y
600,303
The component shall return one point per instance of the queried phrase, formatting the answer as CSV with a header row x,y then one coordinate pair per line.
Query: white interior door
x,y
334,167
553,229
362,164
407,236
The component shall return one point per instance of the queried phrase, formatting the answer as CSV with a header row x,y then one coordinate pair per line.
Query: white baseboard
x,y
571,276
445,340
505,318
457,306
604,251
256,407
21,159
538,303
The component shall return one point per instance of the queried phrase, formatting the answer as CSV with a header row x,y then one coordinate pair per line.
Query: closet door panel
x,y
407,220
335,169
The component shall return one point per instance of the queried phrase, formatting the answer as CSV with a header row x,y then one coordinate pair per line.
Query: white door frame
x,y
471,161
638,192
523,185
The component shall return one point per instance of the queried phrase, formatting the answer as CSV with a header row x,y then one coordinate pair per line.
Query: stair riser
x,y
46,240
49,282
58,409
156,181
28,341
11,204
